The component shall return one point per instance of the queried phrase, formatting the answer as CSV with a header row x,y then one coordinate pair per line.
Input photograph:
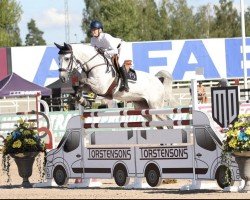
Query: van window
x,y
72,141
62,140
204,140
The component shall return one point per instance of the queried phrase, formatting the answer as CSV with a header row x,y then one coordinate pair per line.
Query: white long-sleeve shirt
x,y
107,42
110,44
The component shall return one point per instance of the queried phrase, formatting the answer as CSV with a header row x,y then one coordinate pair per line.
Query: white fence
x,y
17,104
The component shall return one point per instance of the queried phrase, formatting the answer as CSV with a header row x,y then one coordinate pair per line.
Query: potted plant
x,y
23,144
237,143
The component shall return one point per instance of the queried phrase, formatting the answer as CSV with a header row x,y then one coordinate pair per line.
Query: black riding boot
x,y
124,79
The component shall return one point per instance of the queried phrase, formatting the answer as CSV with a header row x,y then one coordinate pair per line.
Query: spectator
x,y
201,93
223,83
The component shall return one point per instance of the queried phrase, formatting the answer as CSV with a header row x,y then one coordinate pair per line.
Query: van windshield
x,y
63,139
213,134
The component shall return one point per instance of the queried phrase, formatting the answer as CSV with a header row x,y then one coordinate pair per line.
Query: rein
x,y
78,62
73,59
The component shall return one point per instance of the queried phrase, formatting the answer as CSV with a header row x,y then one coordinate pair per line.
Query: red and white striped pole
x,y
139,124
137,112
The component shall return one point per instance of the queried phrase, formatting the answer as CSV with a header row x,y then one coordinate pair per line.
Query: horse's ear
x,y
58,46
67,46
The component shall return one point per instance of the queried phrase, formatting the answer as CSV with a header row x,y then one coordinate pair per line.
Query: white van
x,y
156,154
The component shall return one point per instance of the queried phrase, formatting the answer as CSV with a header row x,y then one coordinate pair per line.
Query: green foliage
x,y
238,135
131,20
10,15
164,21
227,20
181,20
203,19
120,22
23,139
237,141
247,22
148,25
143,20
35,36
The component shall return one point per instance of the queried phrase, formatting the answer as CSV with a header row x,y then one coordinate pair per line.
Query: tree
x,y
182,24
164,21
149,26
247,21
227,20
131,20
10,15
136,20
34,36
203,20
120,18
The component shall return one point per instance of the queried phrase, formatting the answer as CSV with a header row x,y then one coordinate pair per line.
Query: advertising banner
x,y
220,58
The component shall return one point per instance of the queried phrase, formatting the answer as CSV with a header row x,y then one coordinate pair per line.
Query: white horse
x,y
98,73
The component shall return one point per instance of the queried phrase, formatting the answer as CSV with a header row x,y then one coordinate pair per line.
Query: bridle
x,y
83,66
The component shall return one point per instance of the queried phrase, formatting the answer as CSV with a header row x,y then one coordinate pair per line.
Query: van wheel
x,y
60,176
152,175
223,176
120,175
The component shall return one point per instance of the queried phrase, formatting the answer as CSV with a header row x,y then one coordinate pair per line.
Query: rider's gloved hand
x,y
101,51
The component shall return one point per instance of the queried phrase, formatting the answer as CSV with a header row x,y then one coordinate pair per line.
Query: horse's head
x,y
65,61
84,57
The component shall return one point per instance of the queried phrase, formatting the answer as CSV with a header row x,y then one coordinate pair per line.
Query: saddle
x,y
131,74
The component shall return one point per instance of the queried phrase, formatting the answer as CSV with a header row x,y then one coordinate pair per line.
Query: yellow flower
x,y
232,133
30,141
247,131
91,95
17,144
27,132
20,121
8,138
233,143
25,124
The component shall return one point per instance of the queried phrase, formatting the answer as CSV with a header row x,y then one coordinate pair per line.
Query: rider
x,y
111,46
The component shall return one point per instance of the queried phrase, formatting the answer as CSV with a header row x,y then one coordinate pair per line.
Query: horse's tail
x,y
167,80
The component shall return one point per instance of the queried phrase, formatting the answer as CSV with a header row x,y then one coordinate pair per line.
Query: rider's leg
x,y
124,79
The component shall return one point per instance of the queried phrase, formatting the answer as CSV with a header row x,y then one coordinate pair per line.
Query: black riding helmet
x,y
96,24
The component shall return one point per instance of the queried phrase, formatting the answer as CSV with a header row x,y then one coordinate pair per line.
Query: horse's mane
x,y
80,48
84,52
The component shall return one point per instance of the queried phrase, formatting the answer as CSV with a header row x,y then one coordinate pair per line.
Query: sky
x,y
50,18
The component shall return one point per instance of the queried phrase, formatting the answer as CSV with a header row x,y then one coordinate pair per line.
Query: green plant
x,y
24,138
237,140
238,135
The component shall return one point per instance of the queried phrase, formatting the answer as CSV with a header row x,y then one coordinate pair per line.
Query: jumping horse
x,y
99,75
